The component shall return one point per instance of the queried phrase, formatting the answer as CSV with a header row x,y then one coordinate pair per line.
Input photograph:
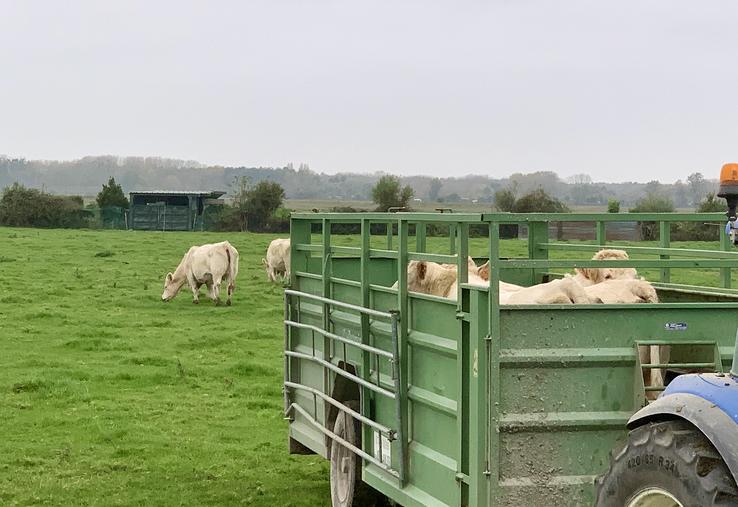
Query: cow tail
x,y
232,267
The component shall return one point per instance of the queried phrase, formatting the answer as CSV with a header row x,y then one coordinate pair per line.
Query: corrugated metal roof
x,y
209,193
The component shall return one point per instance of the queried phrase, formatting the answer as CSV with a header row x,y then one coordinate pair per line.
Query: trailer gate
x,y
395,434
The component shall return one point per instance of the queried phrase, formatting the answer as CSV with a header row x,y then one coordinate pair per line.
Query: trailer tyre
x,y
667,464
347,488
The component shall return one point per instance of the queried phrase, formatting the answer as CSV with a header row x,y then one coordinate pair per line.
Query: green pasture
x,y
109,396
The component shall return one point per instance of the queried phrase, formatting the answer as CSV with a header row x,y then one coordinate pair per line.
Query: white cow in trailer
x,y
208,265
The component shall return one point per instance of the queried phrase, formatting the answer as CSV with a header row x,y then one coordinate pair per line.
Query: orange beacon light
x,y
729,190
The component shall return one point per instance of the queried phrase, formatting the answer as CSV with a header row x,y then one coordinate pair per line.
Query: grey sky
x,y
622,90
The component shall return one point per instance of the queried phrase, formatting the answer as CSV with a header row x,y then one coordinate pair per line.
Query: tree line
x,y
86,175
255,207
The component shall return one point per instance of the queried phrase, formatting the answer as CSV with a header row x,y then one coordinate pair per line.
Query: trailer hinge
x,y
462,477
488,338
463,316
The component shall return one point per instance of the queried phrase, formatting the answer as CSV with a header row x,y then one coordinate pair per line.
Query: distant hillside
x,y
86,176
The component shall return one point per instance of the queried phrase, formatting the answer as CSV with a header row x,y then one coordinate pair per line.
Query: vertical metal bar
x,y
400,398
452,238
493,366
366,394
601,232
287,377
327,293
665,241
377,367
389,235
420,233
462,353
537,234
403,349
462,248
725,273
300,233
476,443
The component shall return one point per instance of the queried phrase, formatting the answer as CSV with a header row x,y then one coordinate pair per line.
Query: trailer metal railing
x,y
536,267
396,434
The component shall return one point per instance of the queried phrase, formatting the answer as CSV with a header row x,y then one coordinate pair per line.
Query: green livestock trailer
x,y
435,402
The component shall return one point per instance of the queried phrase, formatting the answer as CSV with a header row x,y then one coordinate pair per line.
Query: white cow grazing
x,y
204,265
277,260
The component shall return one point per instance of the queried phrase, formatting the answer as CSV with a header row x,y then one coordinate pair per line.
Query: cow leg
x,y
231,287
216,290
660,355
649,375
196,292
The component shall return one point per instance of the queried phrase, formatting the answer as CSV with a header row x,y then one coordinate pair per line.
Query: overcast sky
x,y
622,90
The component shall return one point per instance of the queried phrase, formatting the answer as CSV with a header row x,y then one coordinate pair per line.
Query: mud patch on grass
x,y
97,345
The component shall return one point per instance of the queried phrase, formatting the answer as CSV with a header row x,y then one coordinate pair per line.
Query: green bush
x,y
613,206
258,208
111,195
695,231
388,193
538,201
28,207
652,203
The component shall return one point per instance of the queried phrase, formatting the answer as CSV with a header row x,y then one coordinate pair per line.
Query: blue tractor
x,y
682,449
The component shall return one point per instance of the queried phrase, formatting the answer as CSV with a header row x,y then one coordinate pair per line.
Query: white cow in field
x,y
277,262
207,265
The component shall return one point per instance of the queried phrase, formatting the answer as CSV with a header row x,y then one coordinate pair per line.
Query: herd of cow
x,y
213,264
585,286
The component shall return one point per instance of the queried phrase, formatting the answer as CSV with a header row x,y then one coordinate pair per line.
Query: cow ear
x,y
594,274
589,273
169,277
422,268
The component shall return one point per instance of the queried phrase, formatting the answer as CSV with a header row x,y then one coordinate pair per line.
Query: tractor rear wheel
x,y
667,464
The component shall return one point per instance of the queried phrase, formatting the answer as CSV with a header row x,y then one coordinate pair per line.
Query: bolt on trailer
x,y
432,401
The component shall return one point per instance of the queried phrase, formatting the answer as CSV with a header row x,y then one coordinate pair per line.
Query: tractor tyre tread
x,y
673,456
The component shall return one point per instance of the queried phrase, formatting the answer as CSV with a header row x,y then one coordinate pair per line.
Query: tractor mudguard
x,y
707,401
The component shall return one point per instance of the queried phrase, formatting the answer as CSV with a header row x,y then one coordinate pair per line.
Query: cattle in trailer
x,y
208,265
435,279
591,276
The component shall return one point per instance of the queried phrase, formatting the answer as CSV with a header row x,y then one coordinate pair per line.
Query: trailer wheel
x,y
347,488
667,464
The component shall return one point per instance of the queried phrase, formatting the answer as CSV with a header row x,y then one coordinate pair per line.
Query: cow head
x,y
597,275
171,287
416,271
483,271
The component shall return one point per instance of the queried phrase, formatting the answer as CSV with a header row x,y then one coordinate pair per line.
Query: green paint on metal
x,y
665,241
494,405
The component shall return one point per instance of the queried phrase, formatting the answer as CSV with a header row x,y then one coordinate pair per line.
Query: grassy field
x,y
110,397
